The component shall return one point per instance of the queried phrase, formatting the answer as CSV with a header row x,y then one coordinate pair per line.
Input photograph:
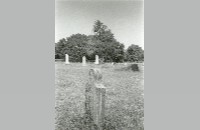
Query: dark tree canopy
x,y
58,49
134,53
74,46
102,43
106,46
102,32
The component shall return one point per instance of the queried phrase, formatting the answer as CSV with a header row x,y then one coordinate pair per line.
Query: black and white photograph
x,y
99,65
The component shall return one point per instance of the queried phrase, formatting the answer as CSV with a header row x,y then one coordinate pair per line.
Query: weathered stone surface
x,y
96,59
84,61
66,59
95,101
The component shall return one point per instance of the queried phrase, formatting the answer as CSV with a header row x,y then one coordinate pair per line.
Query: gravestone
x,y
96,59
66,59
83,61
94,101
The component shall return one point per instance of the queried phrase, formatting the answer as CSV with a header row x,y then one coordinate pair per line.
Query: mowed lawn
x,y
124,96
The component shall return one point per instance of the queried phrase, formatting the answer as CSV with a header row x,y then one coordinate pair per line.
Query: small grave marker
x,y
83,61
66,59
96,59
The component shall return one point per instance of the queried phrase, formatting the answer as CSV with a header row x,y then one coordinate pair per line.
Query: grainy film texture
x,y
99,65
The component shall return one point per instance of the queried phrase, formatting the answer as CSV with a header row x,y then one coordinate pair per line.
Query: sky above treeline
x,y
124,18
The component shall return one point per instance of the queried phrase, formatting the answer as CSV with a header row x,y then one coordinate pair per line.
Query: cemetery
x,y
99,83
94,96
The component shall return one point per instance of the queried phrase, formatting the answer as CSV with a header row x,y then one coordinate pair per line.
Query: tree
x,y
58,48
105,45
102,32
102,43
134,53
74,46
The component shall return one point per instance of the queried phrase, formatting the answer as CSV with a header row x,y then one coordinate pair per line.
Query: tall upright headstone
x,y
96,59
95,101
83,61
66,59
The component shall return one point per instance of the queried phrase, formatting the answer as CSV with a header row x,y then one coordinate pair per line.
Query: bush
x,y
134,67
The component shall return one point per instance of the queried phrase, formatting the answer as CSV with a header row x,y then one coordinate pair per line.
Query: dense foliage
x,y
102,43
134,53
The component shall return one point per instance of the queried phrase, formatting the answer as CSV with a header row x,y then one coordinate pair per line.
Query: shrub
x,y
134,67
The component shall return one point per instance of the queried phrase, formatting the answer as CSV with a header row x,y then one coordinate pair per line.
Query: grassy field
x,y
124,96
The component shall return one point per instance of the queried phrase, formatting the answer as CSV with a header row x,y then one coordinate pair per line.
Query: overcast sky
x,y
124,18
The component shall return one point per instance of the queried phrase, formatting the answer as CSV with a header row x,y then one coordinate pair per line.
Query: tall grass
x,y
124,97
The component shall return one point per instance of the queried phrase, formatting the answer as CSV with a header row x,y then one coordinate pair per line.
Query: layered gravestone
x,y
66,59
83,61
94,101
96,59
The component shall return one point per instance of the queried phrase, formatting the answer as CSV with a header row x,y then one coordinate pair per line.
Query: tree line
x,y
102,43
